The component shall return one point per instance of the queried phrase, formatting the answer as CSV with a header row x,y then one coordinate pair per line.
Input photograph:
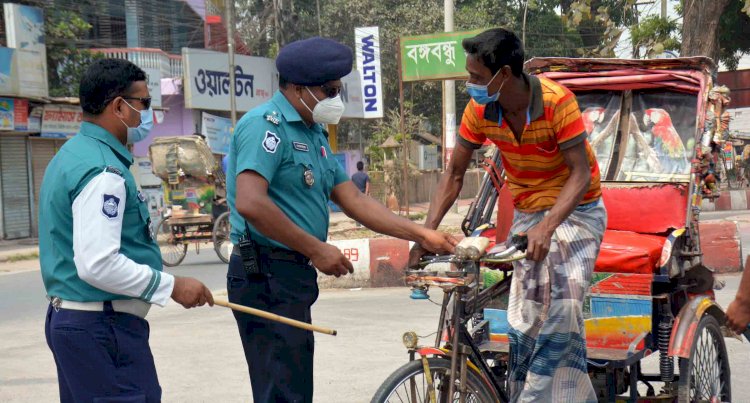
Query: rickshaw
x,y
195,210
650,123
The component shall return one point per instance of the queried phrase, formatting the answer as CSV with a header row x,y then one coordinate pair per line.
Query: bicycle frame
x,y
462,349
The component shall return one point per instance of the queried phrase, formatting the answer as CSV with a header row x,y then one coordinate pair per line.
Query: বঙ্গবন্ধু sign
x,y
438,56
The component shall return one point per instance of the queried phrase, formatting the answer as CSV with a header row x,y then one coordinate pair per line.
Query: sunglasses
x,y
331,92
146,101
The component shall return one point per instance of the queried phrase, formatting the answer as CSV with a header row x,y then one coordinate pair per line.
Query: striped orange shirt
x,y
536,170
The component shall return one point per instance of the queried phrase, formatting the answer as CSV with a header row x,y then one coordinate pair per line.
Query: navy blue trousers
x,y
279,357
102,356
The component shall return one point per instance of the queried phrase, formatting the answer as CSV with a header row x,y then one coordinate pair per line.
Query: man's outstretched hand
x,y
433,241
439,242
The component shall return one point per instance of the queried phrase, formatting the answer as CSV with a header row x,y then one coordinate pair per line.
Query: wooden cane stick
x,y
274,317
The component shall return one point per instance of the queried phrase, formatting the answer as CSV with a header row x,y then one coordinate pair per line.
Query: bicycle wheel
x,y
729,175
704,376
172,252
220,236
409,384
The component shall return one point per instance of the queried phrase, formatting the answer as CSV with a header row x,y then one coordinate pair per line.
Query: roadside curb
x,y
380,262
728,200
8,255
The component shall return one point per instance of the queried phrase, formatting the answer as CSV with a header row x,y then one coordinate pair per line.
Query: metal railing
x,y
170,66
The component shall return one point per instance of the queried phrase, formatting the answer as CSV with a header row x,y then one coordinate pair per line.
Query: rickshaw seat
x,y
640,216
629,252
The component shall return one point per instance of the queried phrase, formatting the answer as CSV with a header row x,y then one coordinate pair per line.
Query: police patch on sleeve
x,y
271,142
110,205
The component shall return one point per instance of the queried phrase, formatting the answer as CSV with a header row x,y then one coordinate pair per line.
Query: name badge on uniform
x,y
300,146
309,177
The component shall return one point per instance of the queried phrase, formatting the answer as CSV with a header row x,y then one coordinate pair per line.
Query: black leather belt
x,y
274,253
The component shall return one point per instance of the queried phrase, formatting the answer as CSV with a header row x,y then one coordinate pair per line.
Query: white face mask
x,y
327,111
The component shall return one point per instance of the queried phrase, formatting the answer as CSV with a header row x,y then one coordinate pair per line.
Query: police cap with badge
x,y
314,62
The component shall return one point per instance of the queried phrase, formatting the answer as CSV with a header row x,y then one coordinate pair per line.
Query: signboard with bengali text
x,y
61,121
207,86
438,56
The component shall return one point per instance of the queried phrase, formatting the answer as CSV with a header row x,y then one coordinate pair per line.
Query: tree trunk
x,y
700,27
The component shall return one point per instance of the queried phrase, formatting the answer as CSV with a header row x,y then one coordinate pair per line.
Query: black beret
x,y
314,61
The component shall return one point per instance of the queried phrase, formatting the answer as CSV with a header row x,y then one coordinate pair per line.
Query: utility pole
x,y
230,51
523,29
664,9
401,128
449,99
320,30
449,96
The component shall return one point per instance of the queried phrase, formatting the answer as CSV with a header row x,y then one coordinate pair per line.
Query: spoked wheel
x,y
172,251
220,236
704,377
409,384
733,181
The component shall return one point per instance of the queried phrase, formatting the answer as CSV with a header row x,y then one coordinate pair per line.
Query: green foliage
x,y
655,34
65,63
546,36
734,33
599,22
390,127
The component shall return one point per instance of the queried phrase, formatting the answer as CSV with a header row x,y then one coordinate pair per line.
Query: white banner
x,y
145,175
154,86
351,94
207,80
61,121
24,28
739,125
217,132
367,41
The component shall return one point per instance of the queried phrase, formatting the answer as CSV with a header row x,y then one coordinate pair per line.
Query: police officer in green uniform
x,y
280,177
100,266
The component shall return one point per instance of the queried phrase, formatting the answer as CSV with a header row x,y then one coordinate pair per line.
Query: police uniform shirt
x,y
94,236
295,159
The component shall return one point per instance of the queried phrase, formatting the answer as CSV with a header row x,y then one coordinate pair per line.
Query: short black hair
x,y
105,80
496,48
360,166
283,82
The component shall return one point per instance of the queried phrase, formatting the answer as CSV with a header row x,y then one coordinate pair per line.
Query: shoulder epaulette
x,y
113,170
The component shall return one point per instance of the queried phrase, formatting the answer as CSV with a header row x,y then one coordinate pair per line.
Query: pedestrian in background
x,y
361,179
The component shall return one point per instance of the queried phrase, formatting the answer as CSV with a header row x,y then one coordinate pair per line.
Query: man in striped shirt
x,y
554,179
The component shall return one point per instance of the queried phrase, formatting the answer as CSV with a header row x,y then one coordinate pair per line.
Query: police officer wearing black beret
x,y
280,177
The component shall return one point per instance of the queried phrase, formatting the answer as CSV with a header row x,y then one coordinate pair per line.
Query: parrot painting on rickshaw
x,y
601,134
665,140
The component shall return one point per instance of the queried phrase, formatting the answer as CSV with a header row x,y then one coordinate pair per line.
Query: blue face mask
x,y
136,134
479,93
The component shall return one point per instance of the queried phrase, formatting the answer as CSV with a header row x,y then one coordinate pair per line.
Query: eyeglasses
x,y
146,101
330,92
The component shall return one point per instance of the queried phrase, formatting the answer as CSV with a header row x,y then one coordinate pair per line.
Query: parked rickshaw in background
x,y
195,198
651,124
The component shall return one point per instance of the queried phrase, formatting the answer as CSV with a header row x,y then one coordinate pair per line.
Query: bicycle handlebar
x,y
518,243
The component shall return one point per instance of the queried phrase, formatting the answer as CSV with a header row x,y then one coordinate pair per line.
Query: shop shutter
x,y
14,183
